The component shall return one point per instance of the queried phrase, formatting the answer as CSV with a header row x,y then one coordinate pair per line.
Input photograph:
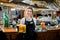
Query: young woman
x,y
30,23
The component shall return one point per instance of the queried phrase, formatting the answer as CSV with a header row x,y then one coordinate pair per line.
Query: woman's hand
x,y
22,28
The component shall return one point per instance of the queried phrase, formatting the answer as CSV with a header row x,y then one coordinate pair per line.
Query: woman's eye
x,y
29,11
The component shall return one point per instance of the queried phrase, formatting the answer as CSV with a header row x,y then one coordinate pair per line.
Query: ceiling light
x,y
24,1
1,3
12,9
10,0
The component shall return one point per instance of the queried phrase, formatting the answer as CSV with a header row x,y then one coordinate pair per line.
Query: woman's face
x,y
29,12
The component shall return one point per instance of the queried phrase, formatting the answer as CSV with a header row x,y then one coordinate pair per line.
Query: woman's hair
x,y
29,7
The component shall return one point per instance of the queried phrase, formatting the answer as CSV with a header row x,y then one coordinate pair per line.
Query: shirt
x,y
23,21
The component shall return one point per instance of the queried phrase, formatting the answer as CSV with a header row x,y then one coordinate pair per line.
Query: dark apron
x,y
30,27
30,33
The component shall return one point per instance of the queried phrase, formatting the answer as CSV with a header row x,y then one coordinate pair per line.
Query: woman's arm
x,y
22,21
34,21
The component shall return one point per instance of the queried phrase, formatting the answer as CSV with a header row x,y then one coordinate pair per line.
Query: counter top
x,y
14,30
9,30
54,28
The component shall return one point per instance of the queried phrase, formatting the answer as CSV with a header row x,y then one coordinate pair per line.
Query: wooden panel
x,y
58,13
4,0
22,13
57,0
49,35
9,4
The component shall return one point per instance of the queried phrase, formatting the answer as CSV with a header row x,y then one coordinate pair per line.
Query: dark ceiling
x,y
32,0
20,2
44,0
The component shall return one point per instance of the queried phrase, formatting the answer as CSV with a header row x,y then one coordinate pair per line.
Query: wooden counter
x,y
51,34
9,30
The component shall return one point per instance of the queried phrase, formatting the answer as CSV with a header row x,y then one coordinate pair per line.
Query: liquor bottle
x,y
43,25
5,19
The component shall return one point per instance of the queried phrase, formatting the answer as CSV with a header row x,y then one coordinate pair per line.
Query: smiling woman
x,y
30,23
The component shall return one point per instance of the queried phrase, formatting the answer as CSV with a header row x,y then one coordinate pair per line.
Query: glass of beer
x,y
20,28
24,28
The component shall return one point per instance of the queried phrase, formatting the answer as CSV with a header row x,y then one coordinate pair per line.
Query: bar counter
x,y
51,34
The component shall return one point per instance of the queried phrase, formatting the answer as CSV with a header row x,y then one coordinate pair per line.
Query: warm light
x,y
12,9
1,3
23,1
10,0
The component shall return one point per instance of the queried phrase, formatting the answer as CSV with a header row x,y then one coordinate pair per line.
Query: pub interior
x,y
46,13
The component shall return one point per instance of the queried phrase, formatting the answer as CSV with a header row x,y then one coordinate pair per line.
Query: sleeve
x,y
34,21
22,21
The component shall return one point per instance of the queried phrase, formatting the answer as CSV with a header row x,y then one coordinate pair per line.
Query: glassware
x,y
22,28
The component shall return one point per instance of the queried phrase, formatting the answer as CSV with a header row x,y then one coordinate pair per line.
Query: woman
x,y
30,23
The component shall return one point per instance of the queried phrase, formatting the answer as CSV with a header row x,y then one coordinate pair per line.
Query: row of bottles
x,y
41,27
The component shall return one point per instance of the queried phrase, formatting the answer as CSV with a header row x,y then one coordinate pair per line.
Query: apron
x,y
30,33
30,27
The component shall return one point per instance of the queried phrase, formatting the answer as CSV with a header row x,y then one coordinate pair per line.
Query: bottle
x,y
43,25
5,19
